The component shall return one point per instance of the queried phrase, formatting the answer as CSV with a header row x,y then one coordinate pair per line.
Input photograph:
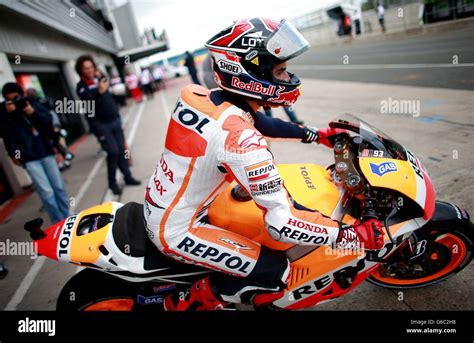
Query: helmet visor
x,y
286,42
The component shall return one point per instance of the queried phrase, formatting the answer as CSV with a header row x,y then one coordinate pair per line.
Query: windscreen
x,y
374,143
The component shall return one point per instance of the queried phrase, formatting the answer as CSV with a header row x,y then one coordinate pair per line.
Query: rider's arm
x,y
277,128
254,170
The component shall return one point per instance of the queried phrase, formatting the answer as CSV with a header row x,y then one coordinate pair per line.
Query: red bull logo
x,y
253,86
286,98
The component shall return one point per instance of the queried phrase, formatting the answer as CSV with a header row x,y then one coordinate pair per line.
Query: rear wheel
x,y
445,254
91,290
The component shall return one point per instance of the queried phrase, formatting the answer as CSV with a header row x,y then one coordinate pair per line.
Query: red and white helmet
x,y
245,53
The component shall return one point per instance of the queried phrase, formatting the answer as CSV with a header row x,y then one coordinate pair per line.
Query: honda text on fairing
x,y
426,241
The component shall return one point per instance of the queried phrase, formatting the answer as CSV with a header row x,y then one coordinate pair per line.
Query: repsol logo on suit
x,y
213,254
189,118
297,235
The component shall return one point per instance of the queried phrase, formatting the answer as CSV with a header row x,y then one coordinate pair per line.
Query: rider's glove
x,y
310,134
327,136
367,235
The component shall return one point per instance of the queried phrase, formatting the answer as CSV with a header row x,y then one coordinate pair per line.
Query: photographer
x,y
105,123
27,132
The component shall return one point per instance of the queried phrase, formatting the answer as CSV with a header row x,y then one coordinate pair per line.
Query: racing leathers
x,y
210,142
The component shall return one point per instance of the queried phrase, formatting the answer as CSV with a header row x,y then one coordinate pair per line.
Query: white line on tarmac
x,y
25,284
164,103
133,130
379,66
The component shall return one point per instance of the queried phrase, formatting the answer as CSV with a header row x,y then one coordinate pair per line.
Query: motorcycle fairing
x,y
339,277
98,249
386,163
85,248
406,177
326,273
63,243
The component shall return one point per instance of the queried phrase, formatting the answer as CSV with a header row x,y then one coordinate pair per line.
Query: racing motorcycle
x,y
426,241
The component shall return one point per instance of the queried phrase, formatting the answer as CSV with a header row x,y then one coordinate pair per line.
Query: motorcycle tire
x,y
91,290
450,252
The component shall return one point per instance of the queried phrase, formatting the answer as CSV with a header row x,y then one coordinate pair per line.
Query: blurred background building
x,y
39,43
321,26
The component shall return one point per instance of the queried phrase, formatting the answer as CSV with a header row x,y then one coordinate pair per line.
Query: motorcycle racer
x,y
215,137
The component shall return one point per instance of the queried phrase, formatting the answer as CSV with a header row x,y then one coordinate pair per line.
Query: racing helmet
x,y
245,53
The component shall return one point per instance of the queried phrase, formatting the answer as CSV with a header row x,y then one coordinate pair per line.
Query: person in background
x,y
27,130
105,123
344,25
347,25
381,14
158,76
133,85
118,90
189,62
146,80
63,155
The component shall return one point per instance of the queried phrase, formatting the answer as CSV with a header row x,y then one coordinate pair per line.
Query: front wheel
x,y
91,290
444,254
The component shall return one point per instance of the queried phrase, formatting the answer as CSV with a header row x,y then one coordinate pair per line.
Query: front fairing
x,y
385,163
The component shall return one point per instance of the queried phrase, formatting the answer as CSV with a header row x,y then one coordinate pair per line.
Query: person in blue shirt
x,y
105,123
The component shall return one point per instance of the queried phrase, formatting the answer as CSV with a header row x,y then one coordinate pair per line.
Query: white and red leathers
x,y
209,144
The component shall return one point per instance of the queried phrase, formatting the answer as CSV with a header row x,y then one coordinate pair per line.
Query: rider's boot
x,y
199,297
